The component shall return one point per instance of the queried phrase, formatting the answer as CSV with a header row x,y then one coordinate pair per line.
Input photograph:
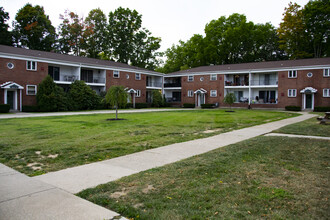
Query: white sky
x,y
172,20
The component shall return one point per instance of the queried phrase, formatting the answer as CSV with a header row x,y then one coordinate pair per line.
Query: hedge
x,y
293,108
30,108
322,109
141,105
207,105
188,105
4,108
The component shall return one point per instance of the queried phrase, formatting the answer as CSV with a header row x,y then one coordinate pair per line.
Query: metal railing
x,y
264,82
168,85
154,84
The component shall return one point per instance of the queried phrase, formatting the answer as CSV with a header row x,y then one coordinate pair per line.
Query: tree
x,y
71,33
293,37
82,97
229,99
96,33
51,97
129,43
116,97
33,29
157,99
5,35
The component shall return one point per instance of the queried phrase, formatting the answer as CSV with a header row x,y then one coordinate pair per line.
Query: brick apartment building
x,y
275,84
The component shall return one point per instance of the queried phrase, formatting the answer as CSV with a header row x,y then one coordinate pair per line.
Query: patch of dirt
x,y
113,119
138,205
148,188
38,152
117,195
212,131
53,156
35,166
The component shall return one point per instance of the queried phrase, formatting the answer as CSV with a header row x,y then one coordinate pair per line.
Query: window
x,y
10,65
31,65
326,92
31,89
190,93
292,92
116,74
292,74
138,93
326,72
213,93
87,75
190,78
54,72
309,75
213,77
138,76
127,76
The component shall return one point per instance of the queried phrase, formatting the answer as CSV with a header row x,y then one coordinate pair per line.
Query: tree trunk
x,y
116,112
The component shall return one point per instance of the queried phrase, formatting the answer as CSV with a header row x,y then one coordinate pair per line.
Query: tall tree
x,y
5,35
96,33
33,29
293,37
316,17
71,33
129,42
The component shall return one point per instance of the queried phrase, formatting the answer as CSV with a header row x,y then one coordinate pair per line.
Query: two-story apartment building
x,y
275,84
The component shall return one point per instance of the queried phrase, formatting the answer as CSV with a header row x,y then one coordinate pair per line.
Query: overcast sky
x,y
172,20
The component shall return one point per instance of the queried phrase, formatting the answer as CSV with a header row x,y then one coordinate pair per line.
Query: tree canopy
x,y
116,97
5,35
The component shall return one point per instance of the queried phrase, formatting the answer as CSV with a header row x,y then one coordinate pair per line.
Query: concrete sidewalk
x,y
82,177
23,197
121,111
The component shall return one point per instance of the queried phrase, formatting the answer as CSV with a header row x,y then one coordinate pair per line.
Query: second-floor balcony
x,y
154,84
172,85
95,80
272,82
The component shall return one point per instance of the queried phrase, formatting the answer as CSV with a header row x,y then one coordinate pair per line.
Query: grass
x,y
309,127
38,145
261,178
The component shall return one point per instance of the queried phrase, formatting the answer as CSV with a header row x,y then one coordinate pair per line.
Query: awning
x,y
308,90
130,90
11,85
201,90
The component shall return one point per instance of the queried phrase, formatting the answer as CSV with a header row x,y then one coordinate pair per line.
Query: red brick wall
x,y
206,84
131,82
21,76
317,81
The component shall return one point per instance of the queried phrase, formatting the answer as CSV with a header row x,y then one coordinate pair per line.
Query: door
x,y
10,99
309,101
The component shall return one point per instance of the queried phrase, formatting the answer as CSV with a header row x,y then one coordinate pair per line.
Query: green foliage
x,y
229,99
207,105
51,97
189,105
141,105
4,108
292,108
82,97
33,29
116,97
157,99
322,109
5,35
30,108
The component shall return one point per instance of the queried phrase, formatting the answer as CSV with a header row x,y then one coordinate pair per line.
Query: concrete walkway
x,y
23,197
298,136
90,175
30,115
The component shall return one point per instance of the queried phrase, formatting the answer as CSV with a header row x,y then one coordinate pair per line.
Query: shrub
x,y
189,105
4,108
82,97
141,105
229,99
207,105
322,109
51,97
157,99
293,108
129,105
30,108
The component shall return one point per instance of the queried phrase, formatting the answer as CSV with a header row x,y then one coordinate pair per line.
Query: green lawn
x,y
261,178
38,145
310,127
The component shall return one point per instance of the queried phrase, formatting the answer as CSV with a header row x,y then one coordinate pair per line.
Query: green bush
x,y
207,105
157,99
129,105
322,109
82,97
229,99
30,108
189,105
293,108
4,108
141,105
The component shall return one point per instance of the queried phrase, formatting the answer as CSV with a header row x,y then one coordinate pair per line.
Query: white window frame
x,y
30,63
292,74
27,89
115,72
138,76
190,78
190,93
138,93
326,93
326,72
213,77
213,93
292,92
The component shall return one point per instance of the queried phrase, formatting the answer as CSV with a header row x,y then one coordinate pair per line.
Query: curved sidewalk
x,y
90,175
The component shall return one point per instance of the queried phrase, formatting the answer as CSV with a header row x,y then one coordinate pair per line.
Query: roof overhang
x,y
11,85
308,90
